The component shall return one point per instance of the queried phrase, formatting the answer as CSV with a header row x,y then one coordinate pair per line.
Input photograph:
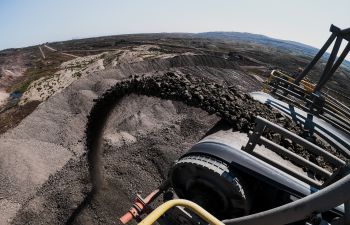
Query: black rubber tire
x,y
212,184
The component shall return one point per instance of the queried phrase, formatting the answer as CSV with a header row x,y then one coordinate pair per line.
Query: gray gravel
x,y
44,170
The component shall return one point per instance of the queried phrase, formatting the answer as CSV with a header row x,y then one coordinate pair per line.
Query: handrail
x,y
158,212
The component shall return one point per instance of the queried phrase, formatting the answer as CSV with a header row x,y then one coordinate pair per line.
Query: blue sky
x,y
24,22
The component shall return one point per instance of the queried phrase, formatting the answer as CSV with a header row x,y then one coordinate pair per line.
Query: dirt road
x,y
51,49
42,52
63,53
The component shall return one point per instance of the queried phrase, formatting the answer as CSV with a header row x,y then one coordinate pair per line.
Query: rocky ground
x,y
44,163
110,125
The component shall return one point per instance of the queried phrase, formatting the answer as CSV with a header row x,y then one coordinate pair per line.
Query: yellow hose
x,y
158,212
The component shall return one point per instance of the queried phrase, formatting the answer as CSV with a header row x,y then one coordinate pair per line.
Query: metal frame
x,y
333,112
315,101
326,199
256,138
338,35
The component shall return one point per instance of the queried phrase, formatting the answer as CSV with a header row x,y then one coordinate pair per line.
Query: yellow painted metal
x,y
158,212
306,85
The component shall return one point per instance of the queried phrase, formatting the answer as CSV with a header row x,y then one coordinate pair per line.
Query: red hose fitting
x,y
138,208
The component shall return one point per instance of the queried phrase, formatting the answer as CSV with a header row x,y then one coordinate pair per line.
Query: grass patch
x,y
39,68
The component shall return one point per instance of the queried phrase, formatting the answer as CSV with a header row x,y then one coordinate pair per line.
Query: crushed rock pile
x,y
235,107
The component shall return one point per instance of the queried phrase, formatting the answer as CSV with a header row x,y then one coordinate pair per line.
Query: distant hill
x,y
288,46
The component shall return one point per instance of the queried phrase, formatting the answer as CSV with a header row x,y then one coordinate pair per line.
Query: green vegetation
x,y
38,69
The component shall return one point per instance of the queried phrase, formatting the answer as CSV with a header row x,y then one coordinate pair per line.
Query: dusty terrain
x,y
35,185
112,121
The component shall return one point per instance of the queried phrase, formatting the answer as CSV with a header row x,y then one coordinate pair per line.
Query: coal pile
x,y
233,106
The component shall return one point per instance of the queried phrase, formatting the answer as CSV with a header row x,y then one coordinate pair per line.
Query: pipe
x,y
138,207
158,212
141,204
323,200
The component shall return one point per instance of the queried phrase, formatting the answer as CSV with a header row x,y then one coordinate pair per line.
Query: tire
x,y
212,184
